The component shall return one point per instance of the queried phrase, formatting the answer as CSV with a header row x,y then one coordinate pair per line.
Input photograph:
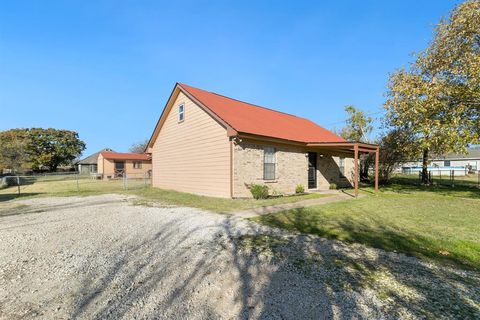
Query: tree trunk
x,y
363,169
365,163
425,167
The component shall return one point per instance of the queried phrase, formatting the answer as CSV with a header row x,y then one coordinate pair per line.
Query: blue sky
x,y
106,68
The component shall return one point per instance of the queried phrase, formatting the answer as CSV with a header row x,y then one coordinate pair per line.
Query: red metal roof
x,y
248,118
125,156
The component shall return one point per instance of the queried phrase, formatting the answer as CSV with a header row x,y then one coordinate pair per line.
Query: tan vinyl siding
x,y
193,155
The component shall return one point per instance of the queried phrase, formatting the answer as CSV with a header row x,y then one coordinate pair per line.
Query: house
x,y
461,164
88,165
209,144
113,165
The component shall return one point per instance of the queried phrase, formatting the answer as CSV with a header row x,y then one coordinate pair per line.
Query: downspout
x,y
231,168
232,134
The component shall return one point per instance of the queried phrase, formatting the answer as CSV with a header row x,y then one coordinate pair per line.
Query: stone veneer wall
x,y
328,171
291,169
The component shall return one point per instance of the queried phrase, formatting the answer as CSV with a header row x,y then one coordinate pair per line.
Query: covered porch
x,y
349,150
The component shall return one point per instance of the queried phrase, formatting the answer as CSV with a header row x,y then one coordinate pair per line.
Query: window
x,y
446,163
181,113
137,165
269,163
341,166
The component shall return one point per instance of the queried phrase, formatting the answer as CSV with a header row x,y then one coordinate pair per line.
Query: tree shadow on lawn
x,y
13,196
375,234
246,271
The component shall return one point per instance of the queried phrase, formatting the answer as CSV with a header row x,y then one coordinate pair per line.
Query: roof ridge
x,y
243,116
242,101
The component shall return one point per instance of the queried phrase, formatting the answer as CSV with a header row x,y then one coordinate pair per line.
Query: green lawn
x,y
436,222
85,187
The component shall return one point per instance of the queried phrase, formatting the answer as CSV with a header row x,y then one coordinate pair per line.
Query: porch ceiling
x,y
344,148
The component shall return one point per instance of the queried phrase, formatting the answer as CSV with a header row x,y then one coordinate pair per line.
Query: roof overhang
x,y
255,137
347,148
344,148
347,145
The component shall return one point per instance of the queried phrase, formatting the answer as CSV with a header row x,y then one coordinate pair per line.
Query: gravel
x,y
102,257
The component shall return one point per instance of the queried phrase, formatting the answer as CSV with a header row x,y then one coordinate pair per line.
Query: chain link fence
x,y
450,178
70,182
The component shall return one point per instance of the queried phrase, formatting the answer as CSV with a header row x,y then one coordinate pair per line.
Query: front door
x,y
119,169
312,170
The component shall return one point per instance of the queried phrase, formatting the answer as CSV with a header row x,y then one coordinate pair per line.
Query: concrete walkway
x,y
334,197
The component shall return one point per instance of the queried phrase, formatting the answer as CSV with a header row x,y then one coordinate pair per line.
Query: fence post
x,y
18,184
125,185
78,188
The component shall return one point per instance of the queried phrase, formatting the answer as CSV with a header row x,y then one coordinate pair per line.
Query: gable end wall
x,y
192,156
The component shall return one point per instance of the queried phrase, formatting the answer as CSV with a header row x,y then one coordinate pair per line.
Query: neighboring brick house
x,y
209,144
114,165
88,165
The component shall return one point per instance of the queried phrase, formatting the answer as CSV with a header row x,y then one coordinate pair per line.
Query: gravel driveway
x,y
102,257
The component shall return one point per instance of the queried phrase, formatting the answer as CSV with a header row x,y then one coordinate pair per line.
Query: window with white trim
x,y
181,113
269,163
137,165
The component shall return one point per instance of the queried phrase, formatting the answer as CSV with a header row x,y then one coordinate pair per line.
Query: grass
x,y
147,194
437,222
216,204
432,222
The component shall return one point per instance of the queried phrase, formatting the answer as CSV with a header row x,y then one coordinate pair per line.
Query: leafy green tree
x,y
437,100
138,147
13,149
393,145
358,127
39,148
51,147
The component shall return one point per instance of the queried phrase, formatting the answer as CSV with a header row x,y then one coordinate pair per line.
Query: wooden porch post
x,y
355,148
377,158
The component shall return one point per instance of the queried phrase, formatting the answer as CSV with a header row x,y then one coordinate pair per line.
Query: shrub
x,y
259,191
299,189
333,186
